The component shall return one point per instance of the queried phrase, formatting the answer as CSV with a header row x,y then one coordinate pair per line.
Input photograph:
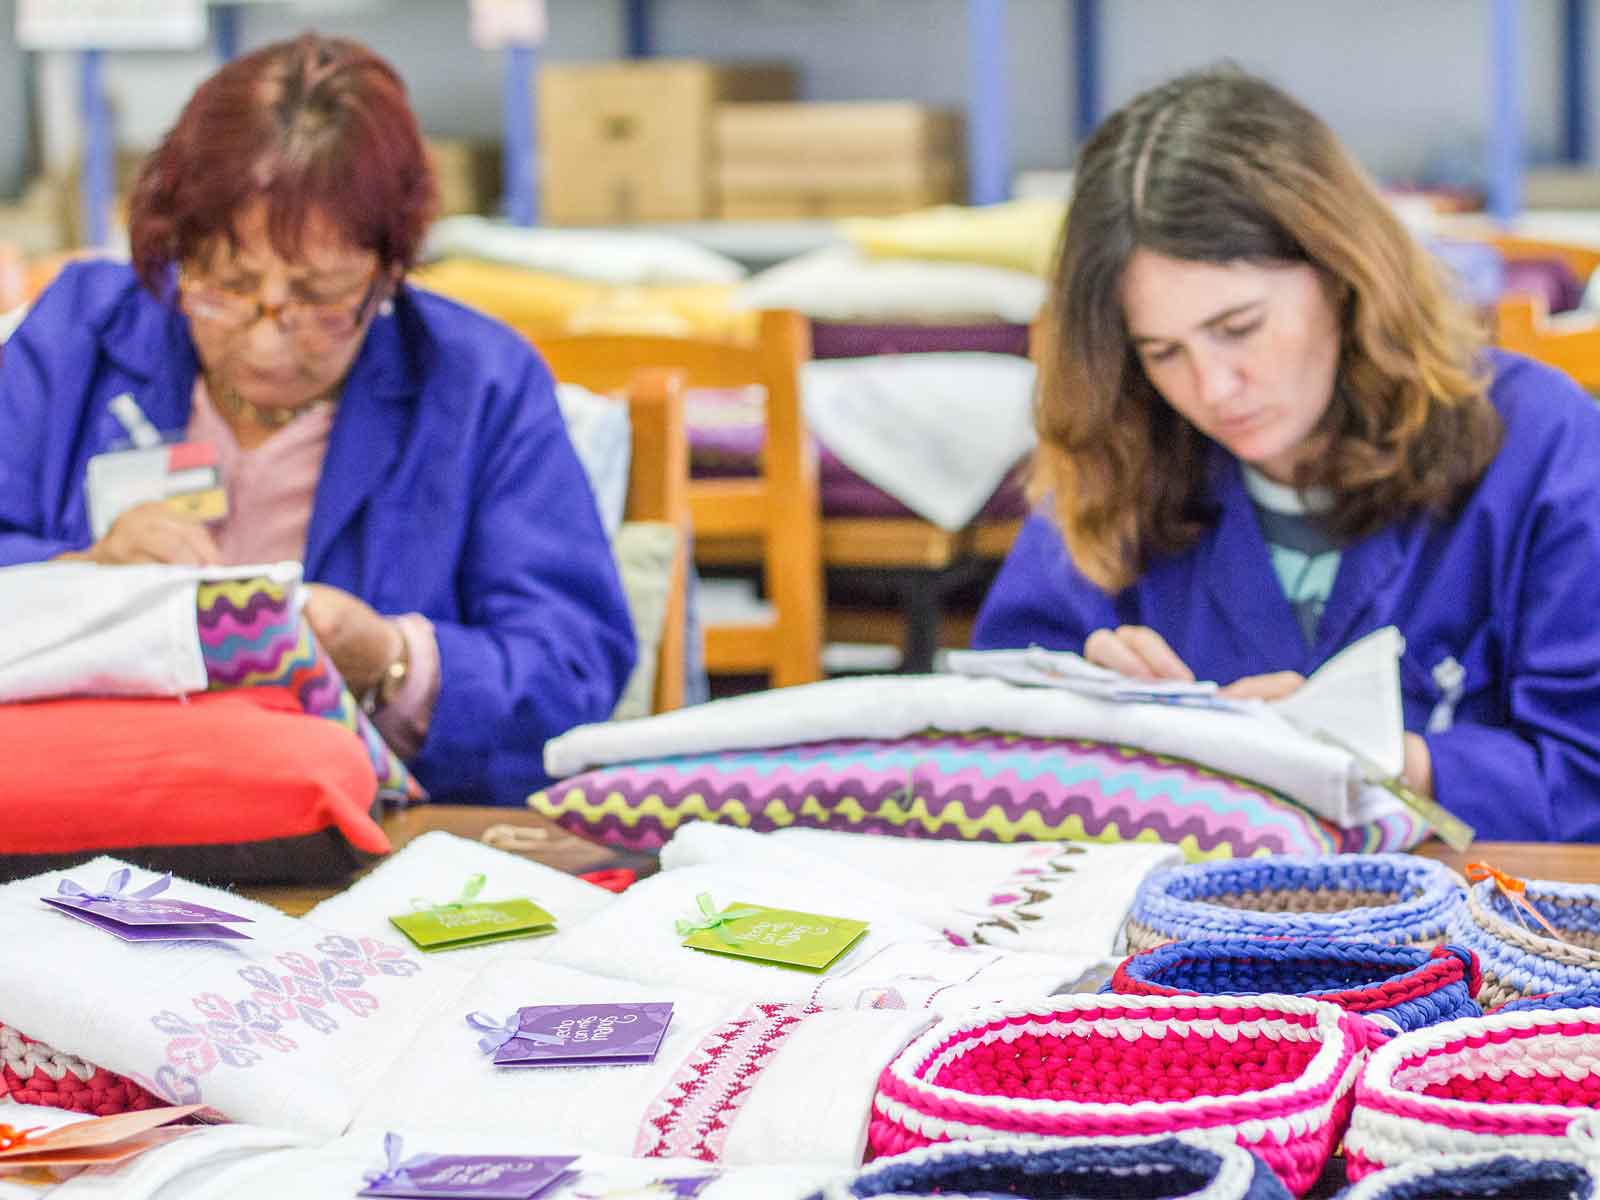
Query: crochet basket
x,y
32,1073
1509,1082
1162,1168
1518,957
1552,1176
1553,1002
1377,897
1407,985
1275,1072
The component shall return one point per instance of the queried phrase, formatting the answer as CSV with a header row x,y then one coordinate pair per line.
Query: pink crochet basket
x,y
32,1073
1511,1081
1275,1072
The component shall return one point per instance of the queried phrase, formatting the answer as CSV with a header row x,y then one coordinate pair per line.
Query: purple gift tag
x,y
475,1176
132,911
564,1035
145,926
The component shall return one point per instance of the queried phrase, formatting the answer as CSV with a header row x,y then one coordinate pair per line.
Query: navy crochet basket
x,y
1395,898
1406,985
1569,1175
1162,1168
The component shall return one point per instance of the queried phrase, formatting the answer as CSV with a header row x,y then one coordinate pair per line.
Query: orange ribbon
x,y
11,1138
1513,889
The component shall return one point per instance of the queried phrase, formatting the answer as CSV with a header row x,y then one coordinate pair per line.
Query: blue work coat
x,y
1509,587
450,488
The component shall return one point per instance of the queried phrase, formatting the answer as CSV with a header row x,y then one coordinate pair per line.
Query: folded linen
x,y
290,1029
899,962
433,867
1064,898
744,1086
1325,779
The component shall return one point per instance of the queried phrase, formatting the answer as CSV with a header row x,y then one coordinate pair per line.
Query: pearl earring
x,y
386,309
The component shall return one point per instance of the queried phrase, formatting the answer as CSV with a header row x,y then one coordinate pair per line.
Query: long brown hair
x,y
1220,166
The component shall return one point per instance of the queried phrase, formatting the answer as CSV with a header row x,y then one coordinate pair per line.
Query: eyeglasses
x,y
233,310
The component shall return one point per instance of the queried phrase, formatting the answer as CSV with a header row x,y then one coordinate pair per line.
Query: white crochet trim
x,y
27,1058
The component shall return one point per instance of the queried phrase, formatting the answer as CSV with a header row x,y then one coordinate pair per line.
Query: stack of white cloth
x,y
1068,898
777,1086
904,960
438,863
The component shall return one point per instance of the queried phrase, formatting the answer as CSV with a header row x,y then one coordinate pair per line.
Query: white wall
x,y
1399,79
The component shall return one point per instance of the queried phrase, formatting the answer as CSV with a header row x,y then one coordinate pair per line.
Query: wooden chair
x,y
1522,324
772,519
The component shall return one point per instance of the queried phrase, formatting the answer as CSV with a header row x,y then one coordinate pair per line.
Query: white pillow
x,y
602,435
841,284
604,256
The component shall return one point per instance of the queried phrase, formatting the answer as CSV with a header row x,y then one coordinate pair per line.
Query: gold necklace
x,y
267,417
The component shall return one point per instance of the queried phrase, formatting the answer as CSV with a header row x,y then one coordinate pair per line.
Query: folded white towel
x,y
1066,898
899,962
335,1169
1325,779
290,1029
434,867
737,1093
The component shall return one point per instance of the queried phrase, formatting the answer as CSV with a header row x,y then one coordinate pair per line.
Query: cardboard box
x,y
467,174
633,141
833,160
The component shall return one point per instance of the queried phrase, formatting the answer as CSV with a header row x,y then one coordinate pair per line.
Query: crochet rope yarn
x,y
1508,1082
1376,897
1161,1168
1407,985
1275,1072
1557,1175
1552,1002
1518,957
33,1073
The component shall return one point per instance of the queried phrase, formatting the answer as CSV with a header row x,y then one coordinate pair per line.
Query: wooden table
x,y
557,848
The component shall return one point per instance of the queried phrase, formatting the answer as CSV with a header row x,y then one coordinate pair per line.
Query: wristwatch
x,y
389,683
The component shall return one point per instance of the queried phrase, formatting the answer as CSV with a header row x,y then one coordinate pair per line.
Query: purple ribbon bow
x,y
116,888
393,1169
497,1034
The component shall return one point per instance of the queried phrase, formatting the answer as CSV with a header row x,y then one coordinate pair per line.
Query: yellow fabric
x,y
542,305
1020,235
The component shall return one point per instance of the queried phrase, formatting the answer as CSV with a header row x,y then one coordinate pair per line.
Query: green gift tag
x,y
453,926
777,935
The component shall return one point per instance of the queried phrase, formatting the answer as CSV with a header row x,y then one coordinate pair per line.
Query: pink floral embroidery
x,y
369,955
341,979
291,997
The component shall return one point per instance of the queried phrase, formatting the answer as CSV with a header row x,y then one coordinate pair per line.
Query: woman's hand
x,y
154,533
1137,651
1274,685
1418,770
361,642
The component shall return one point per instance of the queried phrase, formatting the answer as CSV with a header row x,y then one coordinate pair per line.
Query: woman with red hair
x,y
409,451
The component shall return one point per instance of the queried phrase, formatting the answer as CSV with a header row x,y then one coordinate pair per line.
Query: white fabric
x,y
81,629
605,256
1323,778
308,1017
335,1169
842,284
602,434
808,1104
434,867
900,962
938,432
1076,895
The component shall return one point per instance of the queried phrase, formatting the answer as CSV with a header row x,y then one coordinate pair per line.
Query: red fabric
x,y
613,879
215,768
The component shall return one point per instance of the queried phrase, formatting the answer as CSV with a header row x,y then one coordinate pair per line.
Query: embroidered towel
x,y
898,962
290,1029
1325,779
434,867
726,1084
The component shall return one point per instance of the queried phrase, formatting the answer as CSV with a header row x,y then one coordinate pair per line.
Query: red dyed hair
x,y
311,124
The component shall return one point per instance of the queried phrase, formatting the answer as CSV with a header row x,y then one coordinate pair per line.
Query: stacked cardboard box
x,y
467,174
633,141
836,160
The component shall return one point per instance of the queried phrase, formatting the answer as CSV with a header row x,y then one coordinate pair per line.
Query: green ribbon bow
x,y
469,893
713,921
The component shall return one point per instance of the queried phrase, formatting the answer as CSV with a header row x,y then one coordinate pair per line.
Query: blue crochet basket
x,y
1162,1168
1519,958
1565,1176
1407,986
1396,898
1555,1000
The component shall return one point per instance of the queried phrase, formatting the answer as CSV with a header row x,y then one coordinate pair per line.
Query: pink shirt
x,y
270,491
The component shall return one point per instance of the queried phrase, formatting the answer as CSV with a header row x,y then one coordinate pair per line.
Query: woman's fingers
x,y
1135,650
1273,686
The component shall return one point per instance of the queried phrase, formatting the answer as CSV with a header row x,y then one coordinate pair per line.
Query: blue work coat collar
x,y
150,342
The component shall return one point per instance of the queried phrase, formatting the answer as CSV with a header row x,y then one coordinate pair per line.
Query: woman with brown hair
x,y
1267,429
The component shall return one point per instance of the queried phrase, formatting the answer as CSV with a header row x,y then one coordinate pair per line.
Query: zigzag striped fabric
x,y
251,636
975,786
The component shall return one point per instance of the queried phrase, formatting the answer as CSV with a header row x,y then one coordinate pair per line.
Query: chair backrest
x,y
780,509
1523,325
